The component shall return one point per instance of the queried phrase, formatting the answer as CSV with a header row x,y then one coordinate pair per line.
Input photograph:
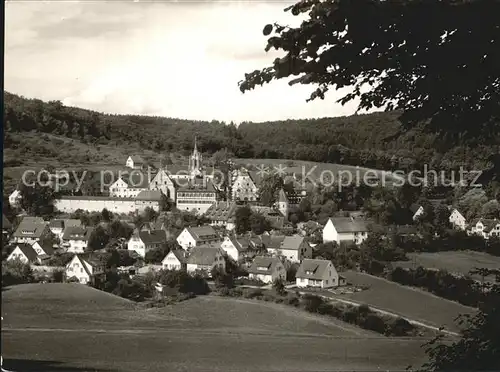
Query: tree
x,y
479,347
268,189
399,54
37,200
259,223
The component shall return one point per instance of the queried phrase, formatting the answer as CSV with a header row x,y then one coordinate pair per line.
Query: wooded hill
x,y
371,140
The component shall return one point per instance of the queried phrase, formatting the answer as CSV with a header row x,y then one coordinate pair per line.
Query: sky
x,y
177,59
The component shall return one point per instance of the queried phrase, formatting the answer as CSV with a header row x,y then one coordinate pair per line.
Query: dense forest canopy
x,y
369,140
437,61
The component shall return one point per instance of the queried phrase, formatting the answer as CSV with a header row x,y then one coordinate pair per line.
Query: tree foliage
x,y
406,55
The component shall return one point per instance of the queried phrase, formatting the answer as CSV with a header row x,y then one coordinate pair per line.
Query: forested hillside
x,y
372,140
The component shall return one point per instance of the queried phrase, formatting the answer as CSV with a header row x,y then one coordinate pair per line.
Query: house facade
x,y
15,198
83,270
235,247
161,181
76,239
222,214
244,187
486,228
143,241
317,273
205,259
345,229
23,252
267,269
175,260
135,162
294,248
196,195
457,220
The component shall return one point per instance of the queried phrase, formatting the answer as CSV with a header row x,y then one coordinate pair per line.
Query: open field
x,y
64,327
406,301
302,167
454,262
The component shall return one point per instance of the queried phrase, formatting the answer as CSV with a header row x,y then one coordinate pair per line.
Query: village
x,y
202,246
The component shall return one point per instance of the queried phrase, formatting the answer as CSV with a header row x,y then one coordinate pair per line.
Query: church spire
x,y
195,146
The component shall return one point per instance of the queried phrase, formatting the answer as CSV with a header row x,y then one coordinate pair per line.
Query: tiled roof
x,y
6,224
137,159
137,180
489,224
28,251
263,265
153,236
273,241
77,233
348,225
32,227
197,186
292,242
241,243
46,246
152,195
180,254
57,224
202,232
312,269
222,211
203,256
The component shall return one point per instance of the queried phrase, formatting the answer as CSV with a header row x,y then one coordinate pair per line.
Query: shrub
x,y
252,292
16,272
399,327
325,308
292,299
373,322
57,276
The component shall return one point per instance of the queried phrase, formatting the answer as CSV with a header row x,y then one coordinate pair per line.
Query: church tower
x,y
195,162
283,203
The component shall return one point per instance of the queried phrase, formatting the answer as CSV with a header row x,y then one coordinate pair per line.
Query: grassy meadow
x,y
70,327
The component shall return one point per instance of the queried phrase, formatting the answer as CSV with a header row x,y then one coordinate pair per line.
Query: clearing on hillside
x,y
60,327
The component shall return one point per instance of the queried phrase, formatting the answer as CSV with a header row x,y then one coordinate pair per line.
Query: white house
x,y
235,247
130,185
15,198
145,240
317,273
205,259
23,252
161,181
83,269
267,269
76,238
485,228
135,162
345,229
174,260
30,230
192,236
457,220
294,248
